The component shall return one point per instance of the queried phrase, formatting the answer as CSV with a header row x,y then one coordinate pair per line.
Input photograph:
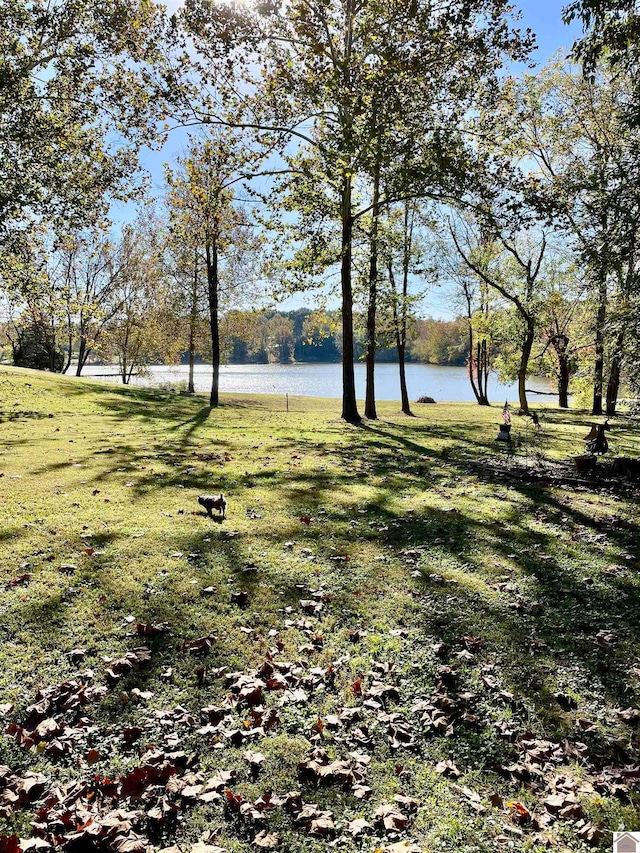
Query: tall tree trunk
x,y
598,366
401,330
81,355
564,373
132,366
51,348
192,323
85,357
524,365
483,377
483,372
402,367
470,369
613,386
479,380
370,393
67,363
212,287
349,403
476,364
370,396
123,357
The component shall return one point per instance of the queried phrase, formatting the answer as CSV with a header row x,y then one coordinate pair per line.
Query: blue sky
x,y
544,17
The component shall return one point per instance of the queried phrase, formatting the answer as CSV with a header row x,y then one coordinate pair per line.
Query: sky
x,y
544,17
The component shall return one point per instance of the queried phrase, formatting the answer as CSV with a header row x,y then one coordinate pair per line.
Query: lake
x,y
325,380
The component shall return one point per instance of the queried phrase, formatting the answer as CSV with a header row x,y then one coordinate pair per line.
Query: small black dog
x,y
211,502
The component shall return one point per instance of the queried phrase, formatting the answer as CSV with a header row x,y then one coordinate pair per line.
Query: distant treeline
x,y
303,335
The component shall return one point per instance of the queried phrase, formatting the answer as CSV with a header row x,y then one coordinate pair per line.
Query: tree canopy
x,y
339,138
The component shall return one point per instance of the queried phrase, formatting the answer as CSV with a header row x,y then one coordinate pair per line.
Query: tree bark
x,y
479,380
476,365
123,358
401,329
402,367
613,386
349,403
85,357
51,348
212,287
81,355
598,366
67,363
370,395
483,374
192,324
564,373
470,365
522,370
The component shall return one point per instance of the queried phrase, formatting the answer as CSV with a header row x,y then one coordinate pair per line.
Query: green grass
x,y
414,540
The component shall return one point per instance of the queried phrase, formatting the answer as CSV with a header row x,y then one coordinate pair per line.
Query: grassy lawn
x,y
382,615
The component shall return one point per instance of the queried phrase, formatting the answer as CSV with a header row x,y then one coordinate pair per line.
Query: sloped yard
x,y
398,639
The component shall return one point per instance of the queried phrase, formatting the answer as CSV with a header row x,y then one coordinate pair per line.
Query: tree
x,y
585,182
328,65
145,328
35,346
612,35
477,301
402,257
512,267
372,302
439,341
194,315
36,305
319,332
184,266
89,268
563,326
83,85
204,216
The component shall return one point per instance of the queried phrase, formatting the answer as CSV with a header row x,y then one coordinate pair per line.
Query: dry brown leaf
x,y
447,768
358,826
267,840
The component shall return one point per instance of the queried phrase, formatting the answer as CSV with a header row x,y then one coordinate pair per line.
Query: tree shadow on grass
x,y
11,534
457,594
9,417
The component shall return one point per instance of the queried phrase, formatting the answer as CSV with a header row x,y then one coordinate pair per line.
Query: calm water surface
x,y
325,380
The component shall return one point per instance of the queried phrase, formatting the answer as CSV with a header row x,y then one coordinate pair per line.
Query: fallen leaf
x,y
519,812
358,826
267,840
447,768
391,818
